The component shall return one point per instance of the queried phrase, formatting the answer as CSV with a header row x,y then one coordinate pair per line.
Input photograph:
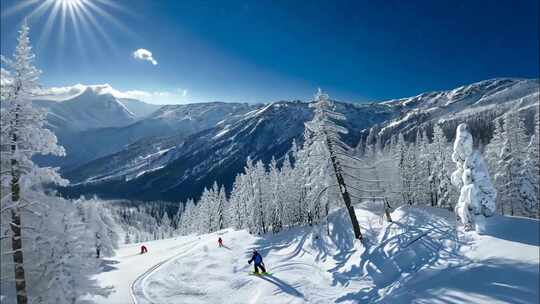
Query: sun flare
x,y
78,17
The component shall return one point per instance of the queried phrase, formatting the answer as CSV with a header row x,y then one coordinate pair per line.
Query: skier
x,y
220,242
258,262
143,249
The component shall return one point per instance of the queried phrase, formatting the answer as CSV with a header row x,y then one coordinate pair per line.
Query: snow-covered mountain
x,y
174,168
491,97
81,108
177,121
178,150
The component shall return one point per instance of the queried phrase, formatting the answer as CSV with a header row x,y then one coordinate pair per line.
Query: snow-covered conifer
x,y
477,194
22,135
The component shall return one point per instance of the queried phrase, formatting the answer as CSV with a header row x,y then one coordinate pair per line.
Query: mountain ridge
x,y
172,166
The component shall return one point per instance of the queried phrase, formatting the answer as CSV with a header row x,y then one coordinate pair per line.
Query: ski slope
x,y
420,258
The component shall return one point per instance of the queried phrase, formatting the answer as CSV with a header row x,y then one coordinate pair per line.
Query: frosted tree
x,y
409,171
165,226
326,132
477,195
205,216
187,218
220,205
425,184
60,257
259,215
22,136
69,263
276,193
529,190
288,191
238,202
511,164
98,219
439,175
493,149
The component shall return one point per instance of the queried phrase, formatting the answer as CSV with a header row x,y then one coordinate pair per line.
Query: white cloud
x,y
155,97
176,96
144,54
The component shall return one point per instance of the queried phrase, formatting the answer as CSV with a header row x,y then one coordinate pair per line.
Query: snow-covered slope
x,y
139,108
420,258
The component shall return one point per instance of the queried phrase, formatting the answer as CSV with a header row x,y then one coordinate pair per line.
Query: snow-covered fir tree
x,y
22,135
511,163
477,194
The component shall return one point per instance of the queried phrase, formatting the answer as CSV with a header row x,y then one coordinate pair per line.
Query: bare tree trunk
x,y
387,210
16,237
343,190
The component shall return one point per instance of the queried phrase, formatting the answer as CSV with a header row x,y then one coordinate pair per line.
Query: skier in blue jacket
x,y
258,262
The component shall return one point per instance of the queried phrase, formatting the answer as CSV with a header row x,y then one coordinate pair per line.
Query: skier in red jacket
x,y
220,242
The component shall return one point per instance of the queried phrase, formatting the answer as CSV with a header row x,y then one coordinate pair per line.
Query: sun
x,y
80,18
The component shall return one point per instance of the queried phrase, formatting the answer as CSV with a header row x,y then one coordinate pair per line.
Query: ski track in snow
x,y
128,267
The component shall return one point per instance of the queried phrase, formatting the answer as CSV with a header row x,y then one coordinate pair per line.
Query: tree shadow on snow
x,y
107,265
523,230
496,280
412,242
226,247
283,286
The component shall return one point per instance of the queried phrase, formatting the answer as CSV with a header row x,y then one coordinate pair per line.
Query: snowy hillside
x,y
420,258
231,132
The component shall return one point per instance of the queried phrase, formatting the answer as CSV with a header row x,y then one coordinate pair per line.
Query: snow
x,y
420,258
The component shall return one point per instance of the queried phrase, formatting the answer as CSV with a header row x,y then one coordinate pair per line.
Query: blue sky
x,y
260,51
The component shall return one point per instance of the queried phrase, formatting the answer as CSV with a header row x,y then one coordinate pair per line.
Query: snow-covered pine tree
x,y
530,189
326,133
221,205
69,262
98,219
493,148
289,193
511,163
258,184
205,215
165,225
299,186
186,225
402,152
477,195
410,174
238,202
276,192
22,136
424,184
440,176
